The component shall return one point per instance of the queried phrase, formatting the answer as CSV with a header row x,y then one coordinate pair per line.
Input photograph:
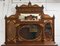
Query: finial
x,y
29,4
42,6
5,16
16,6
54,16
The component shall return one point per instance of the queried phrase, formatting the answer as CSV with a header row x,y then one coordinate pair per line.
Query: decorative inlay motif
x,y
11,31
48,32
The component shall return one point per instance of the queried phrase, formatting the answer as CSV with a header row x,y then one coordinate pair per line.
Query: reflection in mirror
x,y
29,17
48,32
29,31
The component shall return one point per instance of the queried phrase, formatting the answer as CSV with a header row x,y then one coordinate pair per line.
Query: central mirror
x,y
29,32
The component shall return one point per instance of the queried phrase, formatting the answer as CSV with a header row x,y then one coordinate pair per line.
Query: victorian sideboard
x,y
29,26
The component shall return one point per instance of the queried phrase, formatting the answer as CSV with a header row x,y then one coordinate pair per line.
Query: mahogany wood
x,y
13,24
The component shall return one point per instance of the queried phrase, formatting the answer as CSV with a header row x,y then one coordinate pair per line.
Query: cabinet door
x,y
48,32
11,32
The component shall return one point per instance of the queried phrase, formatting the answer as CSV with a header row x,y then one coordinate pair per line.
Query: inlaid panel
x,y
48,32
11,31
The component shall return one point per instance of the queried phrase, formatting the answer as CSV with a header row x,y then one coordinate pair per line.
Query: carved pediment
x,y
29,5
29,8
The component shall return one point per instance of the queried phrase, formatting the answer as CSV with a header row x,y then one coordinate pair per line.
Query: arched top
x,y
29,8
29,5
